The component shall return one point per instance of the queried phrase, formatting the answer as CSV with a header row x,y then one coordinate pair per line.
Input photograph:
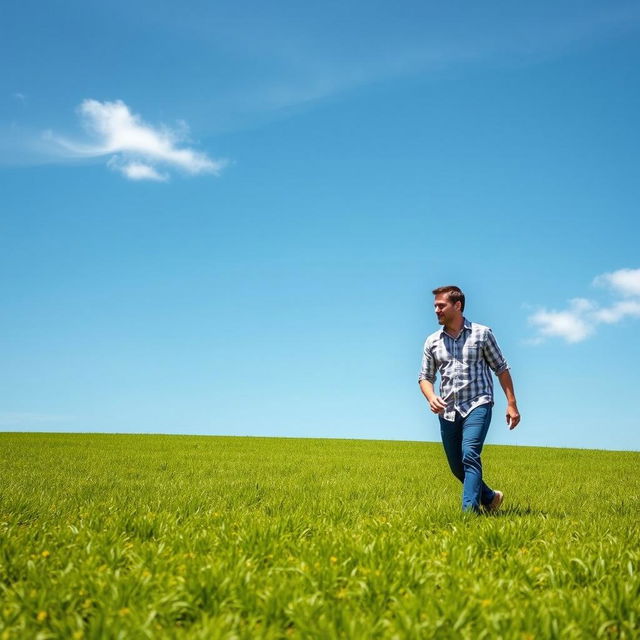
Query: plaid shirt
x,y
463,363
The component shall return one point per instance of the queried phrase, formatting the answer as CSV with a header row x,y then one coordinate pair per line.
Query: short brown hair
x,y
454,294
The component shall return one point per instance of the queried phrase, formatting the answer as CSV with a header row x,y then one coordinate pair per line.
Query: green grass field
x,y
138,536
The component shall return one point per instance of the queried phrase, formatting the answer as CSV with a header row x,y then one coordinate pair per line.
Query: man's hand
x,y
437,404
513,416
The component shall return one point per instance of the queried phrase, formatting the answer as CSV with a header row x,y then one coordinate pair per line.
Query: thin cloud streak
x,y
303,62
21,419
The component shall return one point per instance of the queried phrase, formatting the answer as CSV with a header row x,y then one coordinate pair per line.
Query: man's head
x,y
448,303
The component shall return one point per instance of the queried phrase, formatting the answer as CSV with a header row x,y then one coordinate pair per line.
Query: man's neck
x,y
455,327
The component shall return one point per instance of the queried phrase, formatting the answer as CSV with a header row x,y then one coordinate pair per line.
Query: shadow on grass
x,y
516,510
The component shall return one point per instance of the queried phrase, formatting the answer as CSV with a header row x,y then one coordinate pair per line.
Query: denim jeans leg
x,y
474,432
451,433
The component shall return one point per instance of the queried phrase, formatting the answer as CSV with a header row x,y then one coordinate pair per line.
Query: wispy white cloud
x,y
582,316
570,324
134,148
620,310
624,281
137,170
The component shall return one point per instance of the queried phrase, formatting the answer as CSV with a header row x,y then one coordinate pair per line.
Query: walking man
x,y
463,352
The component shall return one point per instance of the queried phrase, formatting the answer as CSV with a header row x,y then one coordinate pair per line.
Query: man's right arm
x,y
436,403
426,379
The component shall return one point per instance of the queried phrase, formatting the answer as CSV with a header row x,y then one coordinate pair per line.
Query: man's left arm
x,y
513,415
499,366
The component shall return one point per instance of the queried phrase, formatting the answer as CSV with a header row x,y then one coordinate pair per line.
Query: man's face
x,y
445,310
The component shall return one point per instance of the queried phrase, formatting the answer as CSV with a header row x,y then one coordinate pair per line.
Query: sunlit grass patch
x,y
210,537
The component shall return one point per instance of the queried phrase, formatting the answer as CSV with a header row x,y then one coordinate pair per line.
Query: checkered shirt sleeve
x,y
428,368
493,355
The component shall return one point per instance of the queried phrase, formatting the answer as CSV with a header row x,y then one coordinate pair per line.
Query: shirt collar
x,y
466,324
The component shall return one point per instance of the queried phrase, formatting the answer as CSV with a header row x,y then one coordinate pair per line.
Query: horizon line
x,y
215,435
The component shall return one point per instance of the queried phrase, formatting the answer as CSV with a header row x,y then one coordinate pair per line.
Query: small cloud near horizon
x,y
134,148
582,316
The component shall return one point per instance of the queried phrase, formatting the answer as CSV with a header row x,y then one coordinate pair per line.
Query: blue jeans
x,y
463,439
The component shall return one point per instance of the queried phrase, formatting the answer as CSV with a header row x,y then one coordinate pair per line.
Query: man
x,y
463,352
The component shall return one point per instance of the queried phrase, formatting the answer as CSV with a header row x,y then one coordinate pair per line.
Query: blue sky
x,y
227,218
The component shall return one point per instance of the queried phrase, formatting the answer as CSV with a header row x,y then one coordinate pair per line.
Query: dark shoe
x,y
496,502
